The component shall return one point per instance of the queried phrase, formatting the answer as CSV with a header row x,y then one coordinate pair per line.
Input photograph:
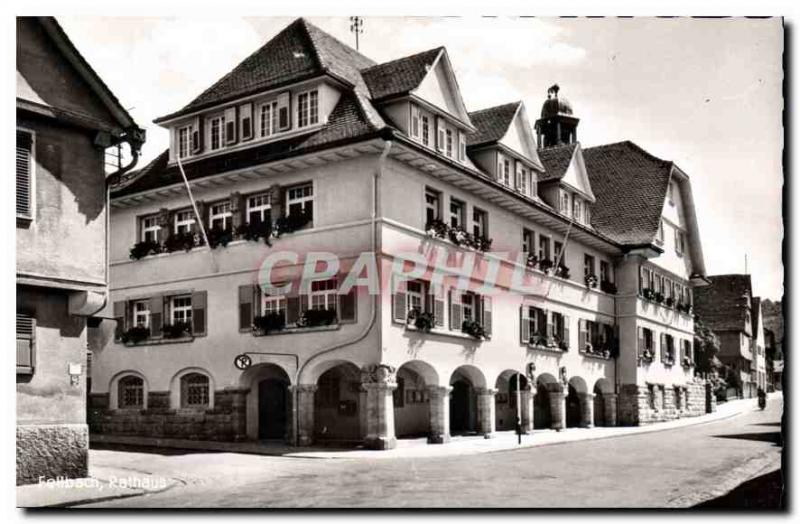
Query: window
x,y
557,248
184,220
647,339
151,229
588,265
284,118
538,321
671,193
564,203
432,205
26,338
219,215
184,141
25,165
269,119
273,304
679,242
544,247
660,236
576,208
181,309
308,108
587,214
323,294
522,184
456,213
258,208
559,327
528,241
415,296
414,122
479,219
130,392
440,134
194,390
668,350
141,313
469,305
462,147
300,201
605,271
426,130
449,143
217,126
505,172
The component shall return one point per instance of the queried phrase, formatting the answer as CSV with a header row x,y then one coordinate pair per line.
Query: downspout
x,y
374,299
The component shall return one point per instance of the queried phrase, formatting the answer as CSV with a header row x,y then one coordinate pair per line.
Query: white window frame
x,y
180,305
528,240
185,147
435,207
565,204
469,303
216,123
426,130
462,147
448,143
523,180
308,108
547,240
31,176
273,304
141,313
220,211
147,227
260,202
415,299
480,222
328,294
414,127
576,208
184,222
268,119
302,199
458,215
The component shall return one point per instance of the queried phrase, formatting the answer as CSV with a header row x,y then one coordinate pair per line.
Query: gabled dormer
x,y
565,183
421,97
503,146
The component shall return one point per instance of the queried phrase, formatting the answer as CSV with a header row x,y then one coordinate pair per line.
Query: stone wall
x,y
637,408
226,421
52,451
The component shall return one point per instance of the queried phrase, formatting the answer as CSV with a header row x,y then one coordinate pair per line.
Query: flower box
x,y
473,329
420,320
591,280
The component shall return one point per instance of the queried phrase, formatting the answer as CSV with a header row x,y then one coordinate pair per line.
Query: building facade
x,y
66,117
728,307
309,146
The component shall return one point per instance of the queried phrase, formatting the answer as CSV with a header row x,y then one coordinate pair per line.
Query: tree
x,y
706,348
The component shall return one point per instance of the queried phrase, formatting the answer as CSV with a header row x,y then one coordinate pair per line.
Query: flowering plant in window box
x,y
647,356
219,237
422,320
458,236
532,261
659,297
291,223
135,335
473,329
436,228
684,307
687,362
546,265
255,231
177,330
669,302
608,287
144,248
178,241
317,317
563,345
649,293
480,243
591,280
263,324
562,271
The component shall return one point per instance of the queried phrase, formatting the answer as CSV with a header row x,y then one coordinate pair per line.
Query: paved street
x,y
672,468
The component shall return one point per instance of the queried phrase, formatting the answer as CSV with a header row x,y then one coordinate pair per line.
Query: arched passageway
x,y
268,402
412,399
604,403
546,386
508,404
337,404
466,382
576,397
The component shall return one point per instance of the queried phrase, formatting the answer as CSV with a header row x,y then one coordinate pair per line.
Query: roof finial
x,y
357,27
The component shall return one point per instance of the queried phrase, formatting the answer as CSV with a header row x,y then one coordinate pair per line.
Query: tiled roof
x,y
556,161
347,122
630,186
300,51
721,305
491,124
399,76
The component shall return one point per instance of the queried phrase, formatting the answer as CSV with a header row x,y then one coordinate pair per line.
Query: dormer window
x,y
269,118
462,147
426,130
185,141
576,208
564,199
216,129
414,122
587,214
308,108
448,143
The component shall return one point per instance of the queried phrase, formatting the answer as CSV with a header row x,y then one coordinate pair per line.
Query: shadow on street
x,y
770,436
764,492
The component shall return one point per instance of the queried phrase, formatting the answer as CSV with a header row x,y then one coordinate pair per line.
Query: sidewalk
x,y
407,448
103,484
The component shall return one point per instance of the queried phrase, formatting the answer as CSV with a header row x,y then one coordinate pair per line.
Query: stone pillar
x,y
610,408
362,413
486,411
239,414
586,401
558,409
379,383
303,413
527,395
711,399
439,410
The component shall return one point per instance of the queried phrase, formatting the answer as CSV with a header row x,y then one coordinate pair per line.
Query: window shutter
x,y
246,121
231,125
347,306
487,315
26,334
440,138
581,334
524,324
455,311
541,322
566,330
549,328
438,305
199,313
663,348
399,301
284,111
24,196
197,135
641,341
247,295
119,316
157,315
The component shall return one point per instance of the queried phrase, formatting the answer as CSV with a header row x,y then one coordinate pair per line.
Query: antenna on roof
x,y
745,263
357,27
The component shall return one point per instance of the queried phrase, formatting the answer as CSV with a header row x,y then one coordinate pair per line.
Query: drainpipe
x,y
374,299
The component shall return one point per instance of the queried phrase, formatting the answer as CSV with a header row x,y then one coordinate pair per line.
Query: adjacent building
x,y
728,307
66,118
308,145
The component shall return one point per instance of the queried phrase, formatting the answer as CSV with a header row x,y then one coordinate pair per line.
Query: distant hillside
x,y
772,313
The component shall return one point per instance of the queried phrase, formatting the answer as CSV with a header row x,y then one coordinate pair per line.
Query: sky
x,y
704,93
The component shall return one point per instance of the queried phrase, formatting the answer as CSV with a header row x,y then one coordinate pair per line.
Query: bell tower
x,y
557,125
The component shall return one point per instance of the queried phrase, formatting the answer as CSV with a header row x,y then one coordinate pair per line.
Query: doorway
x,y
272,409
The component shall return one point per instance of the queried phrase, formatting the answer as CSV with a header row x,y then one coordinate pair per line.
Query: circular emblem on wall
x,y
242,361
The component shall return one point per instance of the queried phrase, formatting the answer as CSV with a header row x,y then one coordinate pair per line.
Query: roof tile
x,y
491,124
400,76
